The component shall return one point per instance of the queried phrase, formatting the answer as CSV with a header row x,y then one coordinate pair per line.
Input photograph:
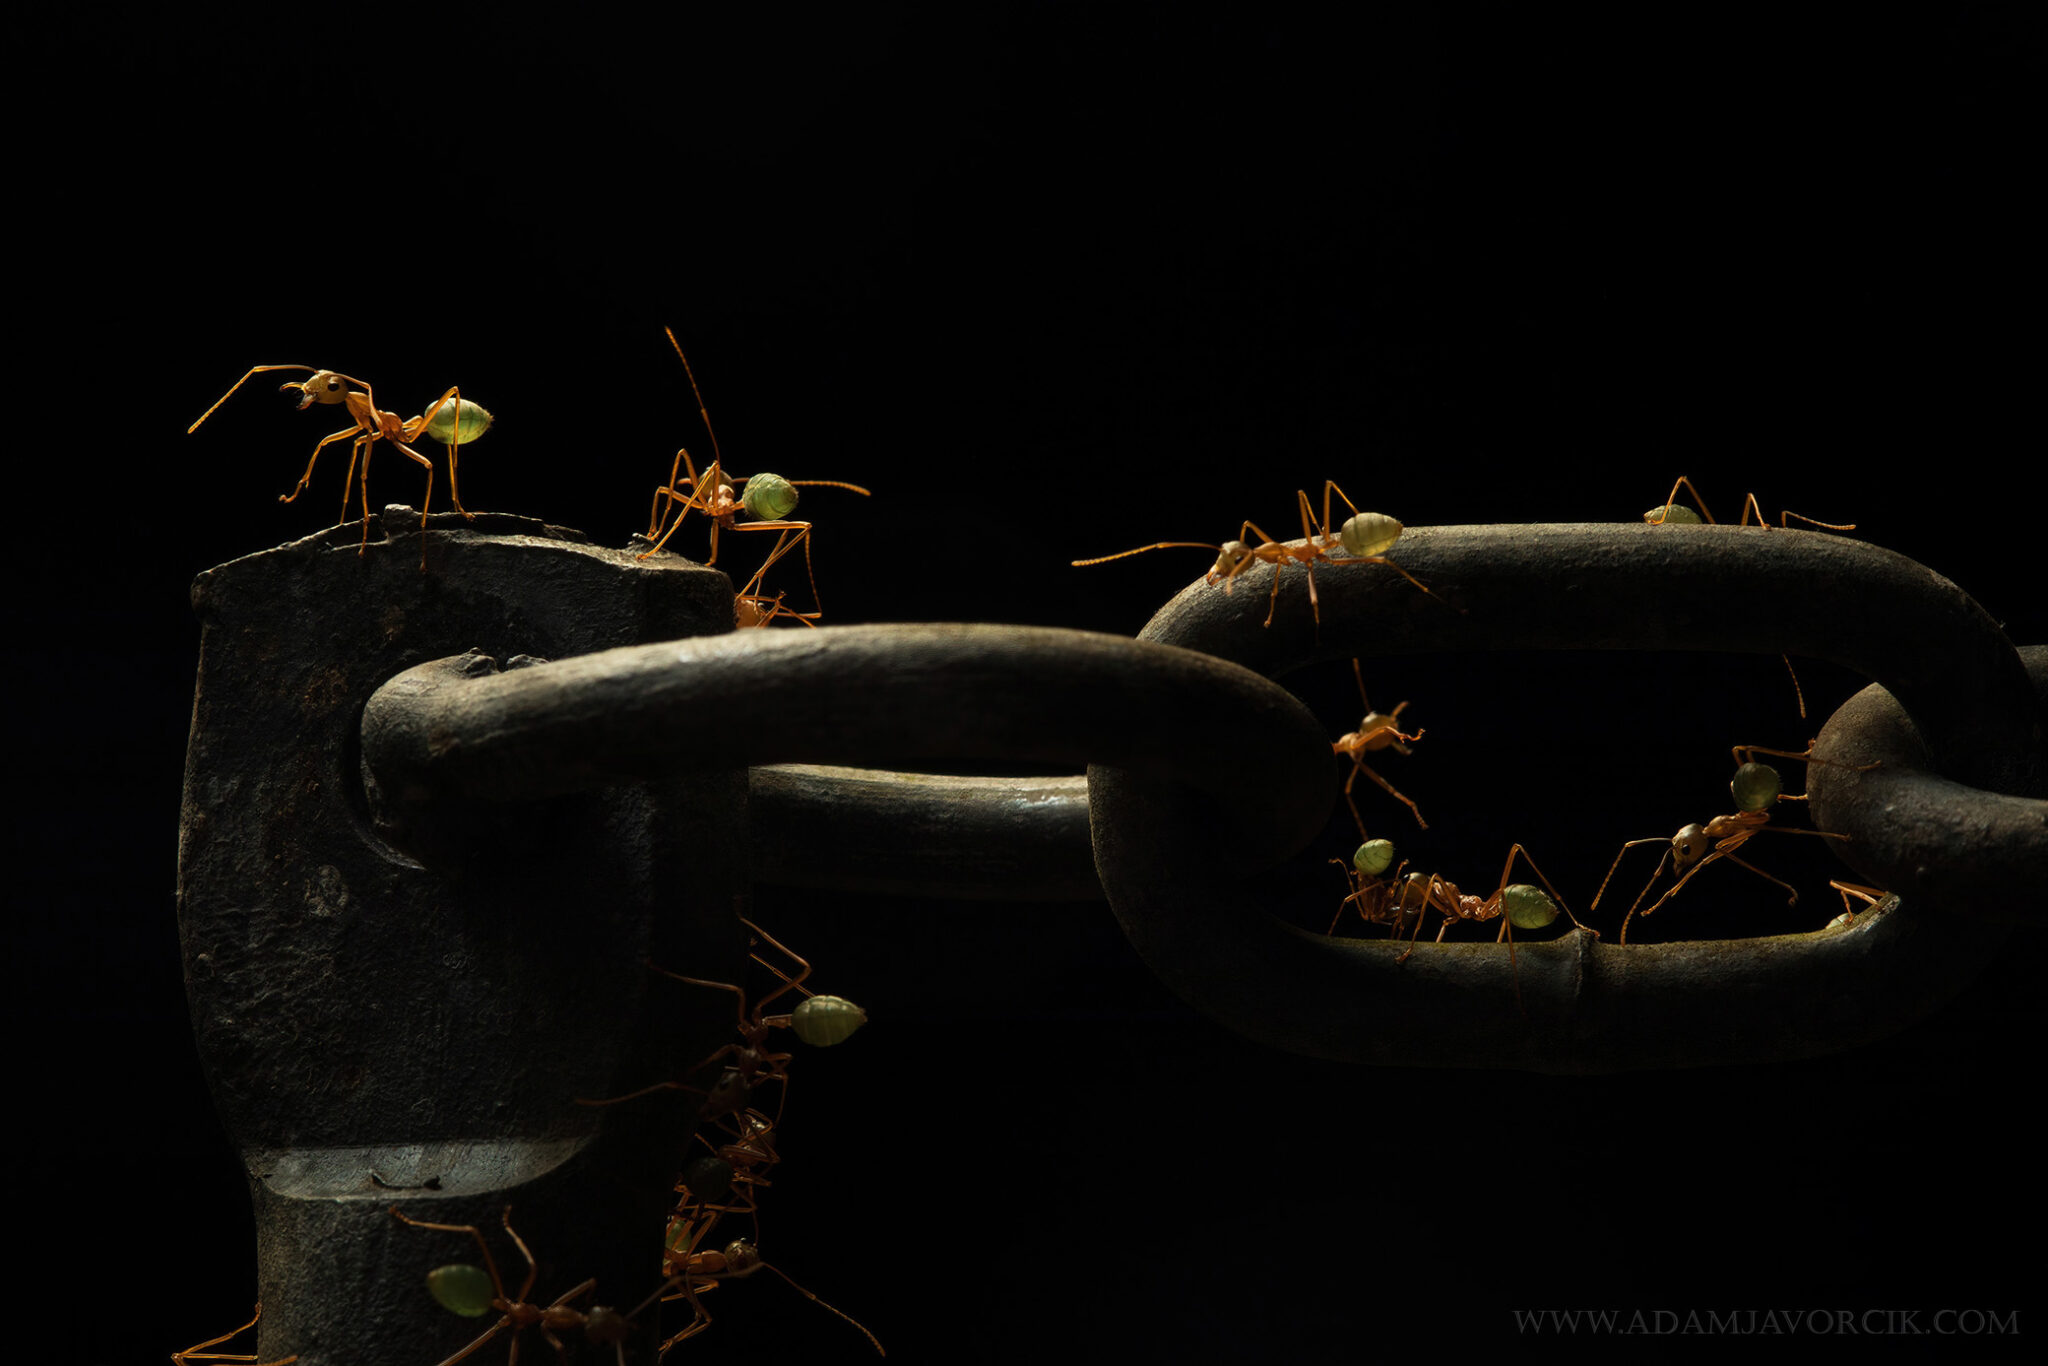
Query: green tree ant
x,y
1376,731
1755,788
698,1271
454,425
192,1353
819,1021
722,1181
460,1290
767,498
1673,513
1365,537
1516,906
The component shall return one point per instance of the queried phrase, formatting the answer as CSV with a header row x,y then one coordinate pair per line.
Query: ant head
x,y
1229,557
1689,845
323,386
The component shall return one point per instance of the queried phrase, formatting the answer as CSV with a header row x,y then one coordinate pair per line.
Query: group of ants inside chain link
x,y
736,1136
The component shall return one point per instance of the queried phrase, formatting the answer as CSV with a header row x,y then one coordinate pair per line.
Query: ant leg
x,y
694,500
1671,500
1328,485
1654,839
1792,895
455,393
803,967
1655,873
192,1353
307,477
424,501
1358,766
490,1262
355,452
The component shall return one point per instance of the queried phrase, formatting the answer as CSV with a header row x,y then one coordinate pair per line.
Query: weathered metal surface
x,y
383,1026
1959,847
1591,1007
449,736
922,834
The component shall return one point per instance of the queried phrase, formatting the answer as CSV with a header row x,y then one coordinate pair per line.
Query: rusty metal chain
x,y
1594,1006
418,887
1177,841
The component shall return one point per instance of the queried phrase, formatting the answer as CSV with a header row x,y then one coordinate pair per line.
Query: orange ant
x,y
464,422
1365,538
819,1021
1377,731
1672,514
722,1182
1755,788
192,1353
458,1288
768,498
1517,906
700,1271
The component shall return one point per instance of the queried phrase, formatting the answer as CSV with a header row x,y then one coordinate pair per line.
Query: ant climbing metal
x,y
1672,513
1365,537
454,425
697,1272
1755,788
460,1288
1376,732
192,1353
1517,906
819,1021
723,1181
767,498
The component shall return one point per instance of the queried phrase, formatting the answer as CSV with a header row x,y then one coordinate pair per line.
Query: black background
x,y
1056,281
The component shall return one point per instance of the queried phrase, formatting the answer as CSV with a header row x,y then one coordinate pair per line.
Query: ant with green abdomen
x,y
1365,537
452,419
768,498
1755,788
